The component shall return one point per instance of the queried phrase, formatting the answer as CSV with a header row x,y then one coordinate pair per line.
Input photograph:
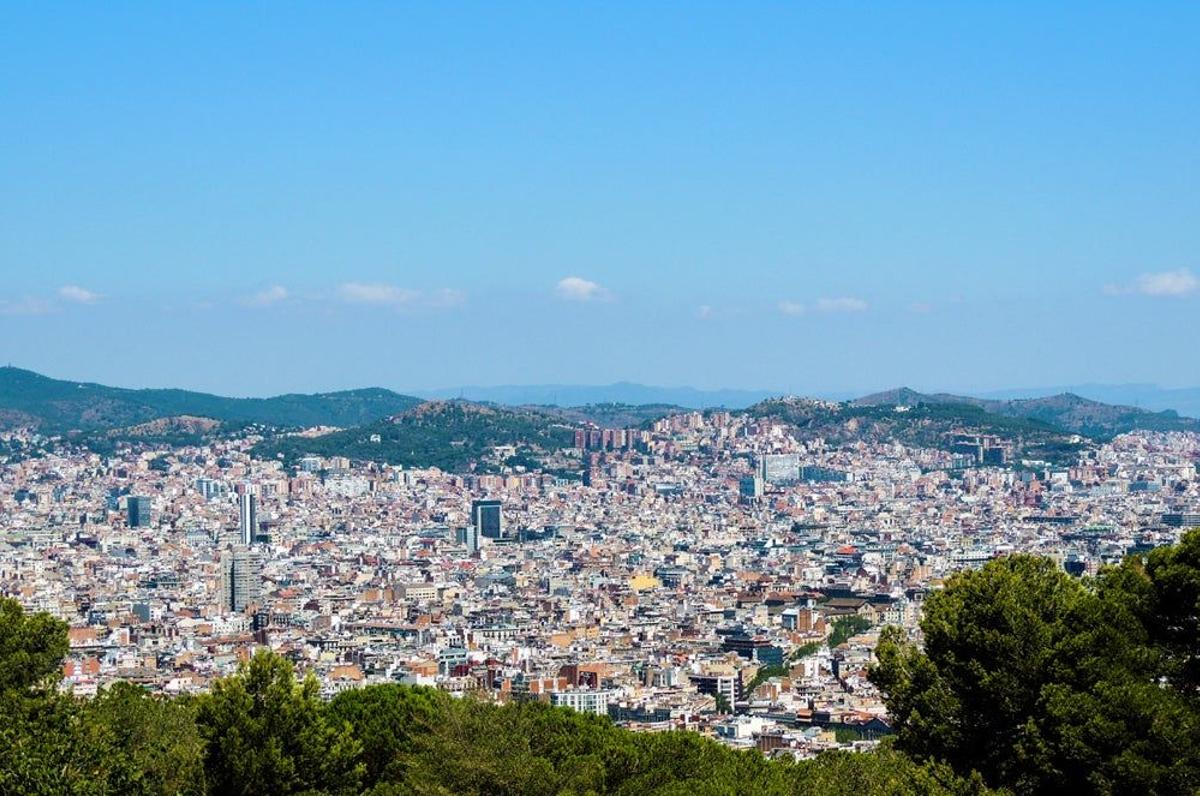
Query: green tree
x,y
155,738
761,676
42,750
32,648
1039,683
846,628
45,750
1163,591
266,733
884,772
386,720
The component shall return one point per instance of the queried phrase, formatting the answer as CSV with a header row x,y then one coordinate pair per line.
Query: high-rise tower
x,y
487,518
248,516
241,578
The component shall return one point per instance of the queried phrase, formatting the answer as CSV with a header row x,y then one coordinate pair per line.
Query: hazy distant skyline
x,y
304,197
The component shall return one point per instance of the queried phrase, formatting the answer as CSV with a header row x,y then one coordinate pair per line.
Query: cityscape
x,y
710,570
599,399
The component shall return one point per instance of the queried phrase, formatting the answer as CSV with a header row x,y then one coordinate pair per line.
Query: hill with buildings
x,y
1065,411
922,424
452,435
54,406
623,392
382,425
613,415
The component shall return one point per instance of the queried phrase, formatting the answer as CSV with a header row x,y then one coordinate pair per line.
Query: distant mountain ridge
x,y
56,406
1065,411
1184,400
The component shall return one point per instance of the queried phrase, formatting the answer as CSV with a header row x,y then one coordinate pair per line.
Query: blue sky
x,y
259,198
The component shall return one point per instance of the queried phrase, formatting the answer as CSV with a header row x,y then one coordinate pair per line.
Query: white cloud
x,y
78,295
920,307
265,298
843,304
1180,282
791,308
704,312
376,293
575,288
25,306
384,295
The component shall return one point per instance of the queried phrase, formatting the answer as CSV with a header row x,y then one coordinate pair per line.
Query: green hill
x,y
1067,412
613,415
55,406
1037,428
930,425
452,435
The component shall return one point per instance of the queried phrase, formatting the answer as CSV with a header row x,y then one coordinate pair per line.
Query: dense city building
x,y
715,572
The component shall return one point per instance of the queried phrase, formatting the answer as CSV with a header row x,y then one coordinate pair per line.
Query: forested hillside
x,y
1065,411
55,406
451,435
929,425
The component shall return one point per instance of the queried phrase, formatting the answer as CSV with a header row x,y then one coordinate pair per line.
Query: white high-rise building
x,y
248,516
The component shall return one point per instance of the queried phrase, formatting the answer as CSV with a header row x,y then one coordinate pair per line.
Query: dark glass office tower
x,y
138,509
487,518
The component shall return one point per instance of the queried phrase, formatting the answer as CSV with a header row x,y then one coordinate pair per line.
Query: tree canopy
x,y
265,733
1041,682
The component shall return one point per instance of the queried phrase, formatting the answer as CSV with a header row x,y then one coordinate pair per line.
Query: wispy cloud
x,y
376,293
78,295
843,304
1180,282
704,312
791,308
1169,284
576,288
920,307
268,296
381,294
29,305
823,305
